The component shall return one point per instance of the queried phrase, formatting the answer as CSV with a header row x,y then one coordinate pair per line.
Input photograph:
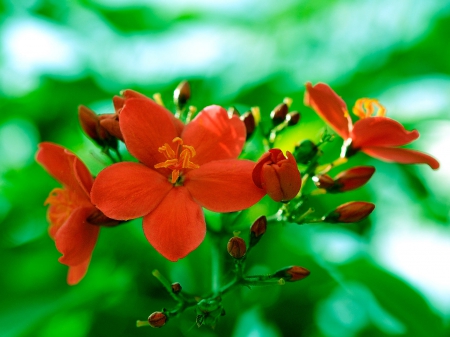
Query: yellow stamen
x,y
366,107
177,160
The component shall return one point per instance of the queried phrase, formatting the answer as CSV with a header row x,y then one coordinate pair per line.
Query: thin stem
x,y
216,266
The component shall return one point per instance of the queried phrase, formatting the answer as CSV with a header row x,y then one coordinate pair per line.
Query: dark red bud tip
x,y
176,288
353,211
250,123
257,230
157,319
293,118
236,247
279,114
324,181
292,274
182,94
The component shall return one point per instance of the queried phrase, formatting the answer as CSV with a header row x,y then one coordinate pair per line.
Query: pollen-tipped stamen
x,y
176,160
366,107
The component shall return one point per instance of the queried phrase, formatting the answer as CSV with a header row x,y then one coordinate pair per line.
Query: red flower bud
x,y
94,127
293,118
353,211
345,181
236,247
182,94
292,274
110,122
257,230
176,287
279,114
277,175
250,123
157,319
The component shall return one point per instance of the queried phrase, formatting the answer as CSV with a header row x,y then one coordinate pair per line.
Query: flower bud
x,y
345,181
257,230
110,122
305,151
278,115
182,94
292,274
277,175
91,124
176,287
157,319
353,211
293,118
250,123
236,247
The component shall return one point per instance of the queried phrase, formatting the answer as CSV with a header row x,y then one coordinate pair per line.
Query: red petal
x,y
329,106
177,226
76,238
214,135
403,156
380,131
126,191
146,126
134,94
224,185
76,273
65,167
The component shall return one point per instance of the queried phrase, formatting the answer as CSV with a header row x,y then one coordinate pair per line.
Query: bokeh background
x,y
388,275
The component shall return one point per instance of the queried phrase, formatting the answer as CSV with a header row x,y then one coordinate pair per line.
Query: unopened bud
x,y
324,181
293,118
345,181
250,123
257,230
176,288
91,124
277,175
182,94
353,211
305,151
279,113
236,247
292,274
157,319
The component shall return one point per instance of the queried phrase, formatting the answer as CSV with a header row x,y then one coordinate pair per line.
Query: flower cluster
x,y
187,161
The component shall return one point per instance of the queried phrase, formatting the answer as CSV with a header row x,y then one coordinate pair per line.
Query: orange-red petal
x,y
76,273
177,226
127,190
76,238
403,156
145,127
128,93
329,106
214,135
65,167
380,131
224,185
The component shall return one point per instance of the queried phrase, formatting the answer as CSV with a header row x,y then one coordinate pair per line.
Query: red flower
x,y
377,136
277,175
73,218
182,169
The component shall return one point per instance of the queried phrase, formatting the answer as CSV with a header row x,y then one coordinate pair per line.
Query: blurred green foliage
x,y
381,277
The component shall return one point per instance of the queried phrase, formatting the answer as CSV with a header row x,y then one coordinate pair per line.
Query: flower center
x,y
61,206
177,160
366,107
